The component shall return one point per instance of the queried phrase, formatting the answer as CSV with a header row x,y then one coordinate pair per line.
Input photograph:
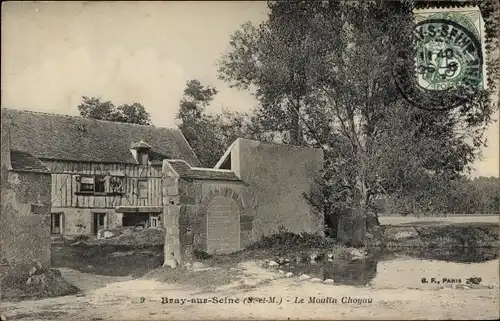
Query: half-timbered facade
x,y
104,174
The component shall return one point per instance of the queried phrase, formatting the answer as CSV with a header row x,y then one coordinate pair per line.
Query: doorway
x,y
99,222
135,220
223,225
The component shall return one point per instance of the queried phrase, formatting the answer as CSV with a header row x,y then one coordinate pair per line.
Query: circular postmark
x,y
447,55
444,68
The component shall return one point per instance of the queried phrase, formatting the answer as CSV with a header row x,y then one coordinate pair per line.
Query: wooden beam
x,y
139,209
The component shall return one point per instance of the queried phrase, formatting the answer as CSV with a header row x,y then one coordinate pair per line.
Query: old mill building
x,y
102,175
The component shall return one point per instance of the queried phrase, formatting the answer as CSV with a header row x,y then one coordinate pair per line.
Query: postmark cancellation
x,y
450,48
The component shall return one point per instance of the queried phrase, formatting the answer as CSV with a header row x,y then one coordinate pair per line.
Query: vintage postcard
x,y
250,160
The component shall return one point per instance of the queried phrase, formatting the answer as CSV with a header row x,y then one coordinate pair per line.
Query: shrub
x,y
201,255
284,239
81,238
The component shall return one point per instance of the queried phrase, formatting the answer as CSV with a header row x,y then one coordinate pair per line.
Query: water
x,y
407,268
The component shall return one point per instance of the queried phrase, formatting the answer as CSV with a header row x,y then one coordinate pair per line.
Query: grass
x,y
130,252
128,236
107,259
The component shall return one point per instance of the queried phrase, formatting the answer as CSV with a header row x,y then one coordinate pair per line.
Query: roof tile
x,y
185,171
22,161
52,136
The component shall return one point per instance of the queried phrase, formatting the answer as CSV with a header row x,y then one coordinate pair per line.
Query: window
x,y
56,223
98,223
143,158
154,222
86,184
101,219
92,184
100,183
143,188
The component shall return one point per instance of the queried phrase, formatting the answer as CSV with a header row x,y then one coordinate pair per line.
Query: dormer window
x,y
142,157
141,152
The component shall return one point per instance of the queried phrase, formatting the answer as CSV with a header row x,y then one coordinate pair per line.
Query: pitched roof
x,y
61,137
181,167
22,161
141,144
187,172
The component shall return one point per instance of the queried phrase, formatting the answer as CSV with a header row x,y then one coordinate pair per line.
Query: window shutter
x,y
92,218
107,187
108,221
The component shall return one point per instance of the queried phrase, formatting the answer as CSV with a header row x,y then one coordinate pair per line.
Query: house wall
x,y
279,175
78,221
64,185
24,229
78,209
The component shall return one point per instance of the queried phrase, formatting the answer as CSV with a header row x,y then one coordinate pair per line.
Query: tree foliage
x,y
210,134
478,195
95,108
323,72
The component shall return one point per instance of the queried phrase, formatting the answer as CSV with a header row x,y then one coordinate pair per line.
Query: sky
x,y
53,53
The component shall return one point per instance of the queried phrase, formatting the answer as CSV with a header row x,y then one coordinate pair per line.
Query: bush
x,y
287,240
81,238
201,255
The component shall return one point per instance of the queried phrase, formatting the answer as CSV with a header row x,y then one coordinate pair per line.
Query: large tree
x,y
92,107
324,72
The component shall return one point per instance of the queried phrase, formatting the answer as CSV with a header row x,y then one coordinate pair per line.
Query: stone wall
x,y
205,215
203,203
25,218
24,215
279,176
224,216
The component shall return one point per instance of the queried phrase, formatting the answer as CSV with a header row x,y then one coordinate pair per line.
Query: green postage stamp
x,y
450,48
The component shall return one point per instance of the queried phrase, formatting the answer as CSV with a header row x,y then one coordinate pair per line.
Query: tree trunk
x,y
372,221
352,225
295,132
344,229
359,227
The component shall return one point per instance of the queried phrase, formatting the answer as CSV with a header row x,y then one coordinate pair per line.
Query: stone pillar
x,y
172,248
171,216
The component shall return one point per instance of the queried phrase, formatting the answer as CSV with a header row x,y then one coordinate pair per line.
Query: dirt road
x,y
119,298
